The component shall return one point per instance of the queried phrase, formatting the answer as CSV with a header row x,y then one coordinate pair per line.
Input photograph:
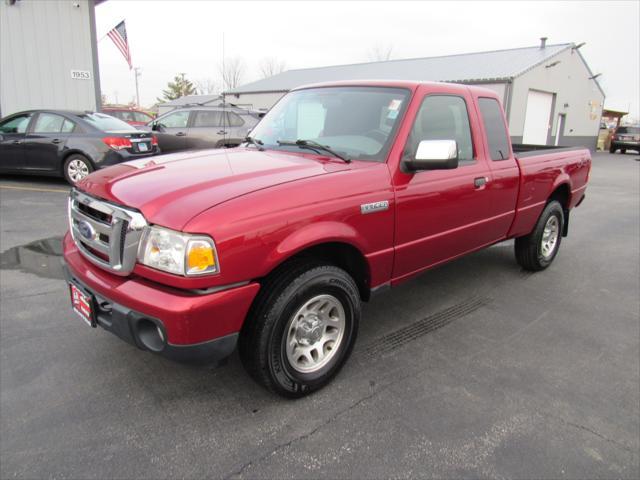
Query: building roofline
x,y
427,58
504,79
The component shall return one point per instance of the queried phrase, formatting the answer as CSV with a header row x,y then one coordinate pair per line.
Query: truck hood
x,y
171,189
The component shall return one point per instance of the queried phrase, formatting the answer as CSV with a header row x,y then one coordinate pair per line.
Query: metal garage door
x,y
537,118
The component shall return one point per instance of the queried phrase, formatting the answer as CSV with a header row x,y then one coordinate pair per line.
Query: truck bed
x,y
545,170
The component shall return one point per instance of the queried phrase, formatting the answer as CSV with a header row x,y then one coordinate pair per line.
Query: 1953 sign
x,y
81,74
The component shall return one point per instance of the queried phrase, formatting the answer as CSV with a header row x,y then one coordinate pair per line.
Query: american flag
x,y
119,36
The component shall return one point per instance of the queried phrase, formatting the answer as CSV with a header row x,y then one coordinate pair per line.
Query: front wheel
x,y
76,167
537,250
302,329
612,149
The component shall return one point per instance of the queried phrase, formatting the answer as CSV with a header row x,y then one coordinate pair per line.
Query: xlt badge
x,y
374,207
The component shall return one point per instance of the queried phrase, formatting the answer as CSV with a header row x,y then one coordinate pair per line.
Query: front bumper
x,y
194,328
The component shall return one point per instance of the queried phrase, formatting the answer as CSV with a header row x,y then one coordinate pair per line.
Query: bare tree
x,y
271,66
232,72
206,86
380,53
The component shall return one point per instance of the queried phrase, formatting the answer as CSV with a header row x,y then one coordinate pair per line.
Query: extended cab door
x,y
441,214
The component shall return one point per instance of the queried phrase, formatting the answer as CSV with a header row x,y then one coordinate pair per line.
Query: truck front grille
x,y
106,234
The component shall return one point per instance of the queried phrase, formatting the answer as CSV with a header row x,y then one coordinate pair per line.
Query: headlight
x,y
176,252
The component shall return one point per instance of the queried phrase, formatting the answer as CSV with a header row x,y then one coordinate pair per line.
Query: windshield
x,y
634,130
106,123
357,122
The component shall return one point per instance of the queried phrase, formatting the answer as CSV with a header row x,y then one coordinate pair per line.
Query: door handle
x,y
480,182
222,132
17,142
181,134
56,140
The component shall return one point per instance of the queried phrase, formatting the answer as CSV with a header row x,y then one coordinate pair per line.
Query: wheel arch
x,y
341,253
562,193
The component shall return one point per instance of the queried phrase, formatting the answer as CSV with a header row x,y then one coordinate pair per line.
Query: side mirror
x,y
156,126
434,155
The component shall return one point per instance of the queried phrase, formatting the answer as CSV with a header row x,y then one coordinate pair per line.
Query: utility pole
x,y
137,73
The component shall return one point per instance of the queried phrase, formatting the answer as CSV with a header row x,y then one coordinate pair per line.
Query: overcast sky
x,y
167,37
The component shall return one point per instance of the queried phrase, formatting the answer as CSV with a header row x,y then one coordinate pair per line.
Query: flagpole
x,y
136,71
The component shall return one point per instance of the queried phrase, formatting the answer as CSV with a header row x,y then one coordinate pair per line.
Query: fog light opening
x,y
150,335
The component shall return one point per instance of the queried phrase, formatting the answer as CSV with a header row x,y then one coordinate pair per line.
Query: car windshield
x,y
106,123
633,130
356,122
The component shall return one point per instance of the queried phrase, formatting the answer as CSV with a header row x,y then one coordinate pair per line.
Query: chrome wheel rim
x,y
314,333
77,170
550,237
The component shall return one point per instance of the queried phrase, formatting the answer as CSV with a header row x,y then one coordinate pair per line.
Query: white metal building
x,y
549,93
48,55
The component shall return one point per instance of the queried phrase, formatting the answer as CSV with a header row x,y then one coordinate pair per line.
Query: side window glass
x,y
48,123
15,124
442,117
234,120
68,126
497,138
175,120
208,118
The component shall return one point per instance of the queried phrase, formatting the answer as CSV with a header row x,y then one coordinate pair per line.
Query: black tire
x,y
612,149
262,340
529,249
76,159
623,151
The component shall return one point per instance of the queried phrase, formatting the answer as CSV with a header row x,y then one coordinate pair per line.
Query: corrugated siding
x,y
40,43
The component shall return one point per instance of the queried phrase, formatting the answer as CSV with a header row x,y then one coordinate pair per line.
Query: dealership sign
x,y
81,74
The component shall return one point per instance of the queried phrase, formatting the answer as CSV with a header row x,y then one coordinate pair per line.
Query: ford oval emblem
x,y
86,230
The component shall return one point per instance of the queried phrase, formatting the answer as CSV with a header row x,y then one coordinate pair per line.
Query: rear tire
x,y
76,167
301,328
537,250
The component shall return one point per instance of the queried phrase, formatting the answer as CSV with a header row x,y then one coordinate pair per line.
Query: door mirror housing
x,y
434,155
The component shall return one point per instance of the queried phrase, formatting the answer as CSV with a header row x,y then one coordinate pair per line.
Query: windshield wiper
x,y
318,147
255,141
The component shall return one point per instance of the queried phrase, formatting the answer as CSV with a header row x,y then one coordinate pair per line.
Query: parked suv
x,y
625,138
190,128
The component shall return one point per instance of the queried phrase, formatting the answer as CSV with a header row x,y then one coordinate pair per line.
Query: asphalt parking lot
x,y
475,369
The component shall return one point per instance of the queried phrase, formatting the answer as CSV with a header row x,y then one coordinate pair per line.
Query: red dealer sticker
x,y
81,304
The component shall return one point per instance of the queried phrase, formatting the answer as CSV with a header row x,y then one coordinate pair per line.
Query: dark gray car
x,y
191,128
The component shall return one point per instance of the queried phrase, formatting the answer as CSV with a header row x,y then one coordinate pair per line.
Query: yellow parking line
x,y
34,189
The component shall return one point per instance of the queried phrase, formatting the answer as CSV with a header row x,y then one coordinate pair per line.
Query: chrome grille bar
x,y
110,245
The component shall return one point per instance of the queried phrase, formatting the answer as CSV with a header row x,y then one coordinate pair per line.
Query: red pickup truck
x,y
342,190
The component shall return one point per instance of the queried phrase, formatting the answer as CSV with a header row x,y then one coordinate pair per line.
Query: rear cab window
x,y
498,140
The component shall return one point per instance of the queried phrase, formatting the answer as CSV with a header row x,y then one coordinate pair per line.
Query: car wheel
x,y
623,151
301,329
76,167
612,149
537,250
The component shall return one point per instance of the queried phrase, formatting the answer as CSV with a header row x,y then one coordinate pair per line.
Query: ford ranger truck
x,y
341,190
